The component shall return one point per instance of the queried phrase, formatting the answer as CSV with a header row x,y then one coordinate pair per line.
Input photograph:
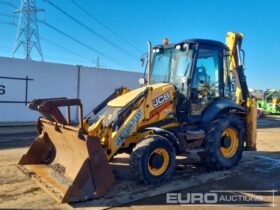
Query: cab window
x,y
205,83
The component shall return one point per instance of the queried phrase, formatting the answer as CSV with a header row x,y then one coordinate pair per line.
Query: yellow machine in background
x,y
195,98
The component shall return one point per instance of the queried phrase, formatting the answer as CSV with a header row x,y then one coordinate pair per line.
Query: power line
x,y
53,43
55,59
108,22
107,27
73,39
89,29
81,43
63,48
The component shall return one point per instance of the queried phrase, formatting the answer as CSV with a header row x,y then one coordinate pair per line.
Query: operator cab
x,y
199,70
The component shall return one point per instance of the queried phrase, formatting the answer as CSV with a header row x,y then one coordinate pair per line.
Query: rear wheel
x,y
153,160
224,142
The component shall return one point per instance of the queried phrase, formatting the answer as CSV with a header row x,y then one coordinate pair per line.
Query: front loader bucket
x,y
67,164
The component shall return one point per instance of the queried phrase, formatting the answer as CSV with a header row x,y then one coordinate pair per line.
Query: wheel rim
x,y
229,142
158,161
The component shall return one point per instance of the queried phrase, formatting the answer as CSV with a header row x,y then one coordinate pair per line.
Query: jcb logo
x,y
159,100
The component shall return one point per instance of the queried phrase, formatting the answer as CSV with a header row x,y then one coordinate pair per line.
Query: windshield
x,y
171,66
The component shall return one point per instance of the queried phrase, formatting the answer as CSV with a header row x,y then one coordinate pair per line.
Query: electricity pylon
x,y
28,33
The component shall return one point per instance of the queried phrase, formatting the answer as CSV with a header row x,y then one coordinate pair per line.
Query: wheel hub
x,y
229,142
226,142
156,161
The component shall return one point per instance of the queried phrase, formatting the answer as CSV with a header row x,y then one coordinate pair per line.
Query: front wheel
x,y
224,142
153,160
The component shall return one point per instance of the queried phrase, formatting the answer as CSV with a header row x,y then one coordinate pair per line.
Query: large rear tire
x,y
224,142
153,160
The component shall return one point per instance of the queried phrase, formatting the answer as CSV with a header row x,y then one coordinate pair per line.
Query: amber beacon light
x,y
165,41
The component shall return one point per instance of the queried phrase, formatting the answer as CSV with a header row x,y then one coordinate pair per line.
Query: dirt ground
x,y
258,172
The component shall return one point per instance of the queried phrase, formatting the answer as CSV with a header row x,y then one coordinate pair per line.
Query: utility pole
x,y
28,33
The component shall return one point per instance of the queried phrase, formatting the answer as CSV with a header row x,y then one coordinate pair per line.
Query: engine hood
x,y
123,100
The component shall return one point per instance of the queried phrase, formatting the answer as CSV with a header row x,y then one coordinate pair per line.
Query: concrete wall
x,y
55,80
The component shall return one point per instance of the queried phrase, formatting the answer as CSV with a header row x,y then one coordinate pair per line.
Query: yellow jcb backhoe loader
x,y
195,98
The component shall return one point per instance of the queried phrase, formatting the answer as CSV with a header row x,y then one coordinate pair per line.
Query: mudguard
x,y
217,107
167,134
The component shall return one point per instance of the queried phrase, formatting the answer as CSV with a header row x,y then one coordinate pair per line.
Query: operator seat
x,y
200,76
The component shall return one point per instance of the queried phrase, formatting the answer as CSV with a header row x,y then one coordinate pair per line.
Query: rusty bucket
x,y
67,163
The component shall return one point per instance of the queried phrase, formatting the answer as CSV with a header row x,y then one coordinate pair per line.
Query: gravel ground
x,y
18,191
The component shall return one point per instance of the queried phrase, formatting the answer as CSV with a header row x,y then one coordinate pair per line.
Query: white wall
x,y
98,84
56,80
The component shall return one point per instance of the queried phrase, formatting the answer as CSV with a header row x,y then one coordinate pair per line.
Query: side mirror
x,y
142,81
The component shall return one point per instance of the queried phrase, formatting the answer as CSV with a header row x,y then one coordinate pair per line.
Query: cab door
x,y
206,78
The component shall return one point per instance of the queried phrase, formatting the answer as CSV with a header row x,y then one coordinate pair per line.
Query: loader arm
x,y
92,128
125,124
118,92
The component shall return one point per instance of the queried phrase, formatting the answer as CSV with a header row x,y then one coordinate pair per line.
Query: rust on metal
x,y
49,108
64,160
